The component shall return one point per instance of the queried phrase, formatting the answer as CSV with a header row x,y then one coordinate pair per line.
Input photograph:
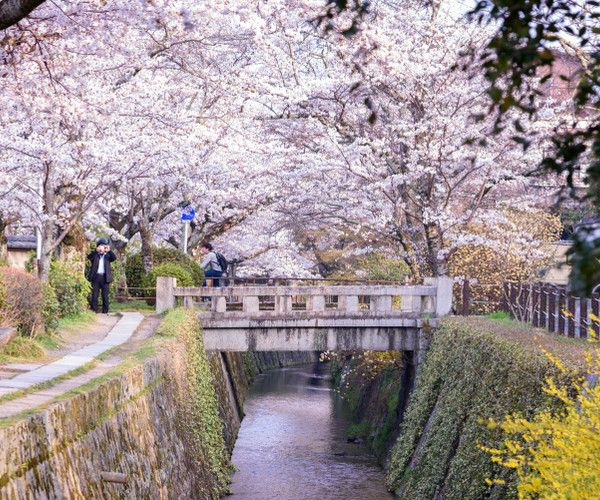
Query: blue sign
x,y
188,213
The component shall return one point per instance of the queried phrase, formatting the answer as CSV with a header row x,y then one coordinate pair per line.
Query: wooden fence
x,y
473,298
552,307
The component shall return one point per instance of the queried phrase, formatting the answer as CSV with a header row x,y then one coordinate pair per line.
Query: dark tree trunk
x,y
3,241
12,11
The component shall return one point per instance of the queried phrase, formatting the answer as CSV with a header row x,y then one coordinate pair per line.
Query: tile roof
x,y
22,242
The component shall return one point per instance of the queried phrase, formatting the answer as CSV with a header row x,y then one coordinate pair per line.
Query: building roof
x,y
21,242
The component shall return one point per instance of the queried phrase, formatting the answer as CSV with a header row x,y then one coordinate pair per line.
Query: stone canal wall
x,y
427,428
162,426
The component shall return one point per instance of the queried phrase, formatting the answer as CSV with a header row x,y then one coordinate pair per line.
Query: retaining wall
x,y
130,428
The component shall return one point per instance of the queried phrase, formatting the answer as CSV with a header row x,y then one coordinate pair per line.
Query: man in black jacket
x,y
100,273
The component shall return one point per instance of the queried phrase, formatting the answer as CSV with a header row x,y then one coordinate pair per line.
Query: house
x,y
558,269
18,249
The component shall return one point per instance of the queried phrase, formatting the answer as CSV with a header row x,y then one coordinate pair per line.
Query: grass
x,y
49,342
499,315
22,349
131,306
71,323
146,350
35,349
57,380
49,383
570,350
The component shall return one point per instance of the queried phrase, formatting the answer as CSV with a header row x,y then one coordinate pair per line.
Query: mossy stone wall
x,y
430,441
168,424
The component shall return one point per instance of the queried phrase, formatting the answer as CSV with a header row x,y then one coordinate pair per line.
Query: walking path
x,y
119,334
44,396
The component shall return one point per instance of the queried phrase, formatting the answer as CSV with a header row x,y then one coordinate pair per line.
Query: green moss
x,y
203,423
250,368
358,430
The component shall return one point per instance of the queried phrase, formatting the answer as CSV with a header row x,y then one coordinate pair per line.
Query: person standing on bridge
x,y
214,264
100,273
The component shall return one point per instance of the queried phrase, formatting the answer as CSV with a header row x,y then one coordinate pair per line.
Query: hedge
x,y
184,278
134,269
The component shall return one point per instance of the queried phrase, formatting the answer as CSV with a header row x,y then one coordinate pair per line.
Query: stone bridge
x,y
313,318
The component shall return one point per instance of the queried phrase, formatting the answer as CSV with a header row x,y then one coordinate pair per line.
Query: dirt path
x,y
45,396
72,339
76,338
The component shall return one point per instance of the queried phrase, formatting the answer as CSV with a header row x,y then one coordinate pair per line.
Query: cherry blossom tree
x,y
263,121
392,134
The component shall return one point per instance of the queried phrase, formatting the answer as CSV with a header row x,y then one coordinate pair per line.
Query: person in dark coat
x,y
100,273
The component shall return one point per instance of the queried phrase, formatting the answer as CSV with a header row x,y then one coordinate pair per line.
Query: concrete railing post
x,y
443,297
350,303
250,304
218,304
418,305
316,303
283,303
381,302
165,293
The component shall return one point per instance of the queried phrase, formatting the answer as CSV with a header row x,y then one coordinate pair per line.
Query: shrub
x,y
556,454
134,269
51,310
168,269
22,301
118,273
71,287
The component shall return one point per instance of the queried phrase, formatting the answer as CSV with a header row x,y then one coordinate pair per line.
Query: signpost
x,y
187,215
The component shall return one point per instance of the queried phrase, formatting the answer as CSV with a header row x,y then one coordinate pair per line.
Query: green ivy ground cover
x,y
471,373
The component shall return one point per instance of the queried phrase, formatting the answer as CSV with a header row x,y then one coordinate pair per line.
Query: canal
x,y
292,443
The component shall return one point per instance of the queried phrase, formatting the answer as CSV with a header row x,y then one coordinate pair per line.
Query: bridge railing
x,y
433,298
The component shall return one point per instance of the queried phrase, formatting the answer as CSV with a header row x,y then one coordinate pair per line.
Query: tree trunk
x,y
437,261
147,257
410,255
3,241
12,11
46,255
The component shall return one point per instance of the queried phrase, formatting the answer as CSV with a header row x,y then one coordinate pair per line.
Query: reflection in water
x,y
292,443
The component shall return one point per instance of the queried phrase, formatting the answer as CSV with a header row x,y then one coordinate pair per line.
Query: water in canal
x,y
292,443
